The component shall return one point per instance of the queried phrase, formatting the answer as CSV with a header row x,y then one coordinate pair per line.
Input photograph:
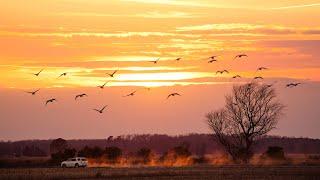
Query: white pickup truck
x,y
75,162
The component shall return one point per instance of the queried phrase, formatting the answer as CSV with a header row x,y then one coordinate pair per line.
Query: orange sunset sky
x,y
89,38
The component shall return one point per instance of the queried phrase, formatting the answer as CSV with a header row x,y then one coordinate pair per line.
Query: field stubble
x,y
185,173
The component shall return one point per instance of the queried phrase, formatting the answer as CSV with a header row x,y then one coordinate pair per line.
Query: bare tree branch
x,y
251,111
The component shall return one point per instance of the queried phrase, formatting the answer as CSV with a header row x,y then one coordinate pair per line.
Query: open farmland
x,y
192,172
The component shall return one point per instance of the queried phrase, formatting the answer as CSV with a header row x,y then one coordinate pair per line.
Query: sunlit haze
x,y
141,40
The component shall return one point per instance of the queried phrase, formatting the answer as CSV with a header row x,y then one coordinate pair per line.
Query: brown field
x,y
185,173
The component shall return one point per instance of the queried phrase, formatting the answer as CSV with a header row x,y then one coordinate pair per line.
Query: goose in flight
x,y
37,74
156,61
50,100
240,56
269,85
33,92
212,60
178,59
103,85
213,57
262,68
292,85
236,76
173,94
63,74
221,72
80,96
100,110
112,74
131,94
258,77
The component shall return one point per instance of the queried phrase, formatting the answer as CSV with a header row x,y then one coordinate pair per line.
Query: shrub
x,y
57,158
113,153
144,155
275,152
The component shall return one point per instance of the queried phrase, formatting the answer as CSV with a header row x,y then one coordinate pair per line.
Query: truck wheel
x,y
76,165
64,166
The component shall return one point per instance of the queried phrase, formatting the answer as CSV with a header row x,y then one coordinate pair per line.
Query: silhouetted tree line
x,y
198,144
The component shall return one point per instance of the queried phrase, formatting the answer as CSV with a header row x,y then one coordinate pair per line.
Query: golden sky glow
x,y
89,38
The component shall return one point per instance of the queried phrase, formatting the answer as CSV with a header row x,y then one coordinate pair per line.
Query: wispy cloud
x,y
219,27
152,14
173,2
297,6
95,34
174,14
232,28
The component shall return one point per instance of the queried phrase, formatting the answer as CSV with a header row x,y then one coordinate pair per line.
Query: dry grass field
x,y
185,173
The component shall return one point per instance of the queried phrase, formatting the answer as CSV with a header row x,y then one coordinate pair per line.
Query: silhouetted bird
x,y
258,77
50,100
213,57
37,74
80,96
292,85
212,60
103,85
240,56
173,94
178,59
33,92
236,76
156,61
131,94
63,74
262,68
100,110
112,74
221,72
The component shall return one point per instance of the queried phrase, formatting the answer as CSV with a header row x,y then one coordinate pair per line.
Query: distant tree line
x,y
60,151
198,144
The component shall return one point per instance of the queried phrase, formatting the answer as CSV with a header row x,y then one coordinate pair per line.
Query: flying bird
x,y
178,59
51,100
221,72
173,94
262,68
131,94
80,96
112,74
258,77
236,76
33,92
37,74
103,85
212,60
269,85
63,74
100,110
156,61
240,56
292,85
212,57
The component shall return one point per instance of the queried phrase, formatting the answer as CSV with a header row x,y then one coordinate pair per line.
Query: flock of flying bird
x,y
210,60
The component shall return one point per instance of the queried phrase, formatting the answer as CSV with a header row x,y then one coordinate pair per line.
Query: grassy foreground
x,y
192,172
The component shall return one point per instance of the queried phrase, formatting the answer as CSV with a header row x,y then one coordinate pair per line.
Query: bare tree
x,y
251,111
